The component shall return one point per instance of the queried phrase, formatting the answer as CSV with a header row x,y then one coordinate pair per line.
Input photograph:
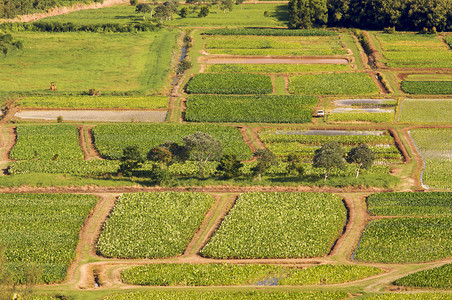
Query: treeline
x,y
70,27
12,8
412,15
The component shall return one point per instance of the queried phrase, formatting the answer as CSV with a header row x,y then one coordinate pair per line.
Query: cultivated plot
x,y
426,111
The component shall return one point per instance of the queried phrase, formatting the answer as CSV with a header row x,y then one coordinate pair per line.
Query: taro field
x,y
278,225
426,111
42,231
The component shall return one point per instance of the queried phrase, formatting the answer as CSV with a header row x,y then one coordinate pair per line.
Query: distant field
x,y
42,230
275,68
128,62
427,87
426,111
415,51
429,77
278,225
80,102
333,84
435,147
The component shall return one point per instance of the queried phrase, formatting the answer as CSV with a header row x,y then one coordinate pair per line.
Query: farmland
x,y
259,108
157,224
427,87
213,83
275,68
269,217
438,278
42,230
426,111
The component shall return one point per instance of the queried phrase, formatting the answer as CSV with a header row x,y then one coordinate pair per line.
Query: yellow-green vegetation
x,y
361,117
40,232
426,111
229,83
427,87
128,62
438,278
404,240
412,296
279,225
259,108
276,68
152,225
46,142
110,140
274,45
81,102
333,84
434,145
229,295
232,274
408,50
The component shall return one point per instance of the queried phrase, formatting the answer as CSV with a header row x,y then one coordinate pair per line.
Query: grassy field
x,y
88,102
138,62
157,224
426,111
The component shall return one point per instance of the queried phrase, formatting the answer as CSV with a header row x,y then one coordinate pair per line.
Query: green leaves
x,y
217,83
437,278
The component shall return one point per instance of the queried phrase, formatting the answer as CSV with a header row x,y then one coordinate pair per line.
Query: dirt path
x,y
286,81
273,78
244,130
419,161
88,136
7,142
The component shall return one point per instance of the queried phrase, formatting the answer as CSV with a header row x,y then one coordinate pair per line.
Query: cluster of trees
x,y
413,15
12,8
8,43
202,148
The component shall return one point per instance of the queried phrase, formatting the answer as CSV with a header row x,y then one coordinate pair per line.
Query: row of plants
x,y
437,278
46,142
276,68
426,111
361,117
229,83
410,204
41,231
269,32
427,87
250,109
233,274
152,225
279,225
333,84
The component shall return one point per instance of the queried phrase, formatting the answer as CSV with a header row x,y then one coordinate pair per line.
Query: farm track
x,y
7,141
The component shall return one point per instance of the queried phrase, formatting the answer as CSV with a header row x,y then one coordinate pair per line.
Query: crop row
x,y
361,117
229,83
410,204
42,229
404,240
333,84
426,111
269,32
278,225
275,68
259,108
233,274
152,225
45,142
110,140
427,87
438,278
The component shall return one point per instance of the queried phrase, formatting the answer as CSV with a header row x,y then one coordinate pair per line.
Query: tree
x,y
203,12
307,13
160,155
166,10
296,165
229,166
202,148
183,12
361,155
131,159
265,158
329,156
144,8
226,5
179,153
133,2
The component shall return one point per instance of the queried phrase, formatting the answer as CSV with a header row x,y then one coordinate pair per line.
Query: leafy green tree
x,y
144,8
203,12
265,159
166,10
229,166
133,2
131,159
296,164
361,155
160,155
329,156
203,148
307,13
226,5
183,12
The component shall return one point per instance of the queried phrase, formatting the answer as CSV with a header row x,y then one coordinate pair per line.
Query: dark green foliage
x,y
8,43
448,40
183,66
183,12
131,160
229,166
160,155
265,159
329,156
437,278
160,175
307,13
269,32
43,26
427,87
226,5
202,148
296,163
133,2
12,8
203,12
361,155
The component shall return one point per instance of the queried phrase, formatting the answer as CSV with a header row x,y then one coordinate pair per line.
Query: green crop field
x,y
42,230
228,83
437,278
415,51
426,111
404,240
410,204
259,108
435,147
110,140
274,45
88,102
230,274
152,225
333,84
428,77
128,62
269,32
46,142
275,68
412,296
427,87
279,225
